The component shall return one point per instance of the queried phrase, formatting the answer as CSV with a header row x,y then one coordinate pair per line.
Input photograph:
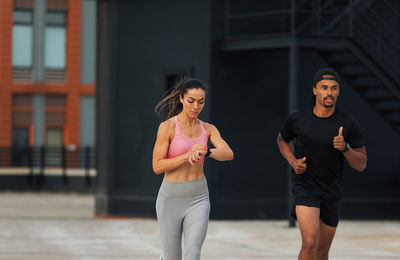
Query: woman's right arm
x,y
160,163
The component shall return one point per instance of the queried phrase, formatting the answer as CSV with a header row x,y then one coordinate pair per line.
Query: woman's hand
x,y
196,153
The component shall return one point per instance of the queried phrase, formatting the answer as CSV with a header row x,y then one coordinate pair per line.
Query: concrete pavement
x,y
61,226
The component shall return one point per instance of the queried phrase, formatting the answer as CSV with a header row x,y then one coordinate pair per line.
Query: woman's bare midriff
x,y
185,172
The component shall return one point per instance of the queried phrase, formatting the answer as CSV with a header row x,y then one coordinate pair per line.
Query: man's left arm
x,y
356,157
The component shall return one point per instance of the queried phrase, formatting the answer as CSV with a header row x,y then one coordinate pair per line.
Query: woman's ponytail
x,y
171,105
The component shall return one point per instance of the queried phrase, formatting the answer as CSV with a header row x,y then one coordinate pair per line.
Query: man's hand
x,y
338,141
299,165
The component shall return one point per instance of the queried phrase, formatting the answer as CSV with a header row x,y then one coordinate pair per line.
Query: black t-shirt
x,y
314,140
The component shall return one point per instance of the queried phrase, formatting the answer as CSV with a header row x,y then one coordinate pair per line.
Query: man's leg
x,y
308,219
326,234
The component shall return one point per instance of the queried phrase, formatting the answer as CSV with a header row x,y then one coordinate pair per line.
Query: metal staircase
x,y
372,70
358,38
369,80
333,15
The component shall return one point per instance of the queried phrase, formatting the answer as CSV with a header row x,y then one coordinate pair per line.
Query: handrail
x,y
383,44
393,8
316,13
283,15
256,14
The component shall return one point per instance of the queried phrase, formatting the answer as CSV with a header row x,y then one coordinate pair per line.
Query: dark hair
x,y
319,75
170,105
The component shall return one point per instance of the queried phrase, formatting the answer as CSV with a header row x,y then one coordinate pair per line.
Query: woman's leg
x,y
170,225
308,219
195,225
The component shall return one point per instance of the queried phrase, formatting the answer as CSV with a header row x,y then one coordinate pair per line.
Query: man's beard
x,y
328,106
333,102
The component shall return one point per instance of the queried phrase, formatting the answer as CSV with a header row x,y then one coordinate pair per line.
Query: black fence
x,y
36,159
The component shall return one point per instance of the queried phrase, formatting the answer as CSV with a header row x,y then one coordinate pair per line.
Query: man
x,y
325,135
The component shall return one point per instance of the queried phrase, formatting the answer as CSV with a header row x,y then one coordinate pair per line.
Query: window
x,y
171,81
172,76
23,40
39,40
55,40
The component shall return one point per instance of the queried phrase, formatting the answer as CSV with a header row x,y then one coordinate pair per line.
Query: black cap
x,y
333,75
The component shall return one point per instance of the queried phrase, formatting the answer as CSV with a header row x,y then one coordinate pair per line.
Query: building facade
x,y
258,59
47,75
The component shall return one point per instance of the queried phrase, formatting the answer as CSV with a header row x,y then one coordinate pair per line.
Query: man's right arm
x,y
298,165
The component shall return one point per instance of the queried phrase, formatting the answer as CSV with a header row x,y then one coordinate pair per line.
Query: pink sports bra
x,y
181,144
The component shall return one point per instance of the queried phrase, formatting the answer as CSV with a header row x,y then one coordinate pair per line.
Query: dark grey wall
x,y
143,41
249,102
151,39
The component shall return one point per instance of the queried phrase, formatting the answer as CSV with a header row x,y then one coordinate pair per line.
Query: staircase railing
x,y
377,32
372,25
256,18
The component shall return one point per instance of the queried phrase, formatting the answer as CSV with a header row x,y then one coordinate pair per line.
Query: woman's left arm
x,y
221,150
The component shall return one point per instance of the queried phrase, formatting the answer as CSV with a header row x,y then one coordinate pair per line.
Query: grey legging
x,y
183,207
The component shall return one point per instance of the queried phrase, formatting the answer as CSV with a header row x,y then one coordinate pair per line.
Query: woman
x,y
183,204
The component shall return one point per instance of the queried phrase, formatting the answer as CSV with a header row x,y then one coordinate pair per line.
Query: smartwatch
x,y
208,152
346,148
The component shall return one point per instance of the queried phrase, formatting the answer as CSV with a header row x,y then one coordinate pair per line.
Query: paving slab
x,y
44,226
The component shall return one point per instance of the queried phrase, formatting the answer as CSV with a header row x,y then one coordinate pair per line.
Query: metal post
x,y
293,18
31,153
351,17
318,17
293,103
87,164
64,164
42,165
226,19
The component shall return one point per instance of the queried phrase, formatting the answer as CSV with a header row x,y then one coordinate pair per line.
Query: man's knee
x,y
310,244
323,252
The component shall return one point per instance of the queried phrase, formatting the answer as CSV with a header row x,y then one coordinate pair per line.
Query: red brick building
x,y
47,54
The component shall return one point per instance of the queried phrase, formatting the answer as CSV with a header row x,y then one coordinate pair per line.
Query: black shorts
x,y
329,209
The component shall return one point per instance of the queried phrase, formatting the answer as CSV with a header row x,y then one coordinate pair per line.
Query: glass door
x,y
54,146
20,146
